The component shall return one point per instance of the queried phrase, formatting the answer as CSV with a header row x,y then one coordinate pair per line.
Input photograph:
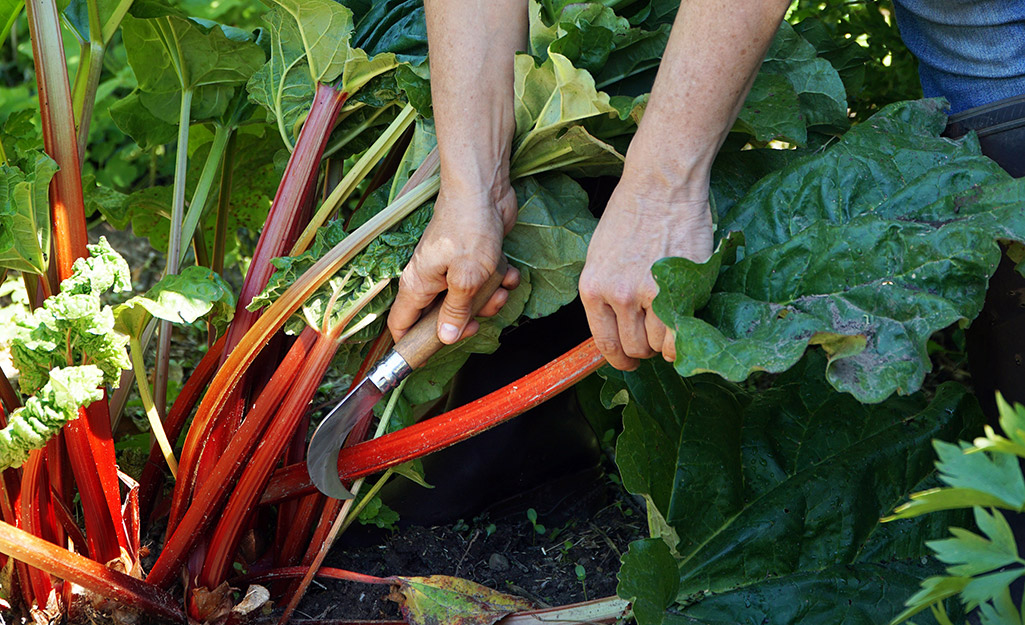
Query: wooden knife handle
x,y
422,342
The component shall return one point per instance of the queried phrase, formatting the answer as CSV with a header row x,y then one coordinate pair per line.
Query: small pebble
x,y
498,562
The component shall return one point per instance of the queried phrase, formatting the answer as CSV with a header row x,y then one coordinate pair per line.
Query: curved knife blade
x,y
322,457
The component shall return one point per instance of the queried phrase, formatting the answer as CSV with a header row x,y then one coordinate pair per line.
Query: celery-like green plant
x,y
985,476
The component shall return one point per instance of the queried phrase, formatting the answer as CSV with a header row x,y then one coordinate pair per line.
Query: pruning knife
x,y
412,350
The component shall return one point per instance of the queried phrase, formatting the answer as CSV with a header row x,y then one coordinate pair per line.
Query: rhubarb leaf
x,y
136,121
795,90
752,496
25,216
170,54
74,327
54,404
444,599
865,248
181,298
549,240
110,13
552,101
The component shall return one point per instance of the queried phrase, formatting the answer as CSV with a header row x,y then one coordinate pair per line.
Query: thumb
x,y
457,308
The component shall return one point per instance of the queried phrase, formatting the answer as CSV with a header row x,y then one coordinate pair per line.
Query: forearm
x,y
472,47
713,55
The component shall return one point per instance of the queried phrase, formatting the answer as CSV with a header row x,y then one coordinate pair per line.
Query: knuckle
x,y
607,344
622,295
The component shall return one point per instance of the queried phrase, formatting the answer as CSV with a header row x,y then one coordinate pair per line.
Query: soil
x,y
506,554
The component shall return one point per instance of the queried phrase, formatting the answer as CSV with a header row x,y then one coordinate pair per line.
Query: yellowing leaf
x,y
445,600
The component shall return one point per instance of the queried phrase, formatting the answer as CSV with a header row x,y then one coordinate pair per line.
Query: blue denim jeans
x,y
972,52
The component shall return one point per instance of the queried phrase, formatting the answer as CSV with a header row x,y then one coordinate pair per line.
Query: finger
x,y
493,305
470,329
457,309
632,334
655,330
669,346
602,320
415,294
512,278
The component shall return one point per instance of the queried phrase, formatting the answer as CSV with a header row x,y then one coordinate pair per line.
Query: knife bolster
x,y
391,370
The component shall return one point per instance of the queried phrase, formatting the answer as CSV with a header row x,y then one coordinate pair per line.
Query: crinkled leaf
x,y
552,101
866,249
73,326
383,259
57,402
444,599
181,298
795,90
325,27
25,216
758,489
549,240
101,271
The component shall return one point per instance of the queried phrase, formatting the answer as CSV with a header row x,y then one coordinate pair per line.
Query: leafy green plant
x,y
984,476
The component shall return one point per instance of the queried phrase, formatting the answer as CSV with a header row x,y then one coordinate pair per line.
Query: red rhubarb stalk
x,y
93,576
446,429
246,495
90,445
156,468
295,191
210,497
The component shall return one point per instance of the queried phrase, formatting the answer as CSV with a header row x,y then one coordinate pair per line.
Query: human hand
x,y
459,251
616,286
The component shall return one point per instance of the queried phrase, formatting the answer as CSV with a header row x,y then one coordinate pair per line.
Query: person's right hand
x,y
459,251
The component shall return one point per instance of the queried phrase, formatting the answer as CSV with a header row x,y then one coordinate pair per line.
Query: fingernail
x,y
448,333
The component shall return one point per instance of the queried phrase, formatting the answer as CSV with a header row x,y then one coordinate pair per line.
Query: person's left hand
x,y
616,286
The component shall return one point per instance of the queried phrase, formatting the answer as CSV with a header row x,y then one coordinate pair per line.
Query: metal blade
x,y
322,457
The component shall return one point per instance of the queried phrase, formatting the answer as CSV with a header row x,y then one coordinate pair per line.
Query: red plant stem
x,y
294,528
156,467
59,140
329,513
446,429
8,395
291,572
224,541
296,189
90,575
209,498
34,501
105,532
68,523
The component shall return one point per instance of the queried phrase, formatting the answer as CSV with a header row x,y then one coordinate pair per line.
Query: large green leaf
x,y
549,240
552,101
761,498
795,90
109,14
25,216
170,54
310,44
865,249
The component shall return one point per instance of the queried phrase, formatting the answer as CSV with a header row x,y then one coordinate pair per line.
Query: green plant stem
x,y
222,134
344,518
223,203
87,78
174,247
135,349
355,175
120,397
343,140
